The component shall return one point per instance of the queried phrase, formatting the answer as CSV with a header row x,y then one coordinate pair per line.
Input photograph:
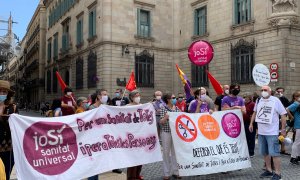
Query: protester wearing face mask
x,y
202,103
82,104
103,96
233,101
7,107
294,114
95,101
280,94
218,101
170,167
118,100
181,102
158,104
268,130
134,172
68,103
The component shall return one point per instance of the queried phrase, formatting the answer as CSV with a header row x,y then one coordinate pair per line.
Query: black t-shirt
x,y
285,102
5,134
116,100
218,102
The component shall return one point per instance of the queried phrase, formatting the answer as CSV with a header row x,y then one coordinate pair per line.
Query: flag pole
x,y
123,95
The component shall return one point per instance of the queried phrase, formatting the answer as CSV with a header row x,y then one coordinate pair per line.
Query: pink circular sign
x,y
231,125
50,147
200,53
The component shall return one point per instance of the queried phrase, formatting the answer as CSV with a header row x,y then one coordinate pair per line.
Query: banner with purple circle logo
x,y
200,52
84,144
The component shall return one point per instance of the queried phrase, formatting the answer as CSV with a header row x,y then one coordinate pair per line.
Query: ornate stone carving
x,y
282,6
244,43
283,13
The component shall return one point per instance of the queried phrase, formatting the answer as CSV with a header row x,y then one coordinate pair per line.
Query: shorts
x,y
269,145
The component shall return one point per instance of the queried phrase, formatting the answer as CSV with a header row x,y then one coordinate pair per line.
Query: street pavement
x,y
154,171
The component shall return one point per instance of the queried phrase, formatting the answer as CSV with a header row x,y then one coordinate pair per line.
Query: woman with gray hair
x,y
133,173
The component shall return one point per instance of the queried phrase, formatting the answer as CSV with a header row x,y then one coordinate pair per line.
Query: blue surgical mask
x,y
2,98
86,106
117,94
173,101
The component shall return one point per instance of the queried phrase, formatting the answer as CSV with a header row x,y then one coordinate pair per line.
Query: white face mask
x,y
104,99
69,93
137,100
158,98
227,91
264,94
203,97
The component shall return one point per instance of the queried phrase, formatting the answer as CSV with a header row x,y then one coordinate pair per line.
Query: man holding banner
x,y
266,114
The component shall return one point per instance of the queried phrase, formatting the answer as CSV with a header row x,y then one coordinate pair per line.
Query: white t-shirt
x,y
273,127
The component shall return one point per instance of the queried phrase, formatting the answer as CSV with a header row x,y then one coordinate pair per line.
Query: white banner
x,y
206,144
265,110
85,144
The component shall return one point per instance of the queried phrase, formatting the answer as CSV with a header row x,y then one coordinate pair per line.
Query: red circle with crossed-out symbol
x,y
184,130
50,147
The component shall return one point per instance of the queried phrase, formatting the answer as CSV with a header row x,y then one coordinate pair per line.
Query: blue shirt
x,y
296,113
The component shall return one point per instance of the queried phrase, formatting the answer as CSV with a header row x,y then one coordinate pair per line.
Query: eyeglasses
x,y
180,97
264,90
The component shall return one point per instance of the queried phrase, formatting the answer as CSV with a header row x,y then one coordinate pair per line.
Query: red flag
x,y
131,85
216,85
61,82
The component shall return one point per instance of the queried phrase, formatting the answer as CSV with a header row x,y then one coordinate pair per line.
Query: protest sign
x,y
265,110
85,144
261,75
200,52
206,144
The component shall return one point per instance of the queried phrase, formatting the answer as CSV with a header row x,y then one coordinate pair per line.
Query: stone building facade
x,y
97,43
34,65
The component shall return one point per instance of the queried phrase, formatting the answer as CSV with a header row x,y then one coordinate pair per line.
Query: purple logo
x,y
200,53
50,147
231,125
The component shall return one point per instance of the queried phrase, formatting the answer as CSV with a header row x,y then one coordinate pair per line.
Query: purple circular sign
x,y
231,125
200,53
50,147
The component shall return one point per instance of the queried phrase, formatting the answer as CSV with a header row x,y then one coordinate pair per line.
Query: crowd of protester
x,y
201,102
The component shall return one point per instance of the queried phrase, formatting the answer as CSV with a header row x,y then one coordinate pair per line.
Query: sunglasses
x,y
173,97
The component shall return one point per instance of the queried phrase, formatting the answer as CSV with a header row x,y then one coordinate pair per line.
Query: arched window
x,y
144,69
48,81
242,62
54,81
92,69
79,73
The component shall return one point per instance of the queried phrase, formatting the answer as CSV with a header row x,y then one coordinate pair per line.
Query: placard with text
x,y
206,144
85,144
